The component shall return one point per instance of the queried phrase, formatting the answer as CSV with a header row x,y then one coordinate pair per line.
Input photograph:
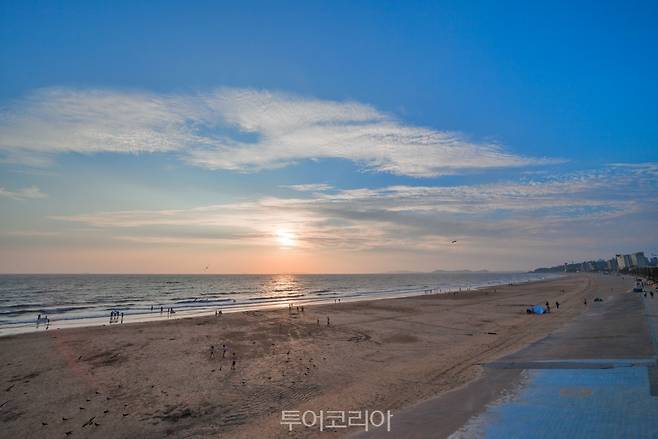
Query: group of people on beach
x,y
224,350
548,306
115,316
43,318
291,307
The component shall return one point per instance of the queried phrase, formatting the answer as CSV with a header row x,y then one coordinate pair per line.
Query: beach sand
x,y
149,380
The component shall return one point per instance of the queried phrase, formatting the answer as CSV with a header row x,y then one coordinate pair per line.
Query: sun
x,y
285,238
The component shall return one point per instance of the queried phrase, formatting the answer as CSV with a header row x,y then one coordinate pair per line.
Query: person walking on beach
x,y
586,301
328,322
161,310
121,317
212,351
223,350
233,362
557,304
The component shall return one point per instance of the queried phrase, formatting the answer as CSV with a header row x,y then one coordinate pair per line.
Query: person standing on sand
x,y
585,301
161,310
557,304
121,317
223,350
328,323
212,351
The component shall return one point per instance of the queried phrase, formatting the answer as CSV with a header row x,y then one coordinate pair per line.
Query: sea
x,y
88,299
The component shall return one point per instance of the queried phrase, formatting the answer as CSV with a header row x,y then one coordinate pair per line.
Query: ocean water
x,y
86,300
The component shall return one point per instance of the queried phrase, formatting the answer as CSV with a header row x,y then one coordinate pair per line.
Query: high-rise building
x,y
612,265
639,260
621,263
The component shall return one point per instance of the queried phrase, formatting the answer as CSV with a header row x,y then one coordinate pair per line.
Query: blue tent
x,y
536,309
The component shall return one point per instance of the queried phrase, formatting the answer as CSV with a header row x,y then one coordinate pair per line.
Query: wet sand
x,y
148,380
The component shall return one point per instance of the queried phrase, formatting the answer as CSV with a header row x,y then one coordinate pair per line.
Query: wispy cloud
x,y
237,129
26,193
570,207
310,187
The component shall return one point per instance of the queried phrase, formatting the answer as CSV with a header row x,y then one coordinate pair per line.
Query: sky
x,y
325,137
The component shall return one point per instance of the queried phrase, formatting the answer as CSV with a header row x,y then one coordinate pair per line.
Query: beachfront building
x,y
612,265
600,265
618,263
639,260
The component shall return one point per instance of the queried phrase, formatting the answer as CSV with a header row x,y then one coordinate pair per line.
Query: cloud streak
x,y
242,130
27,193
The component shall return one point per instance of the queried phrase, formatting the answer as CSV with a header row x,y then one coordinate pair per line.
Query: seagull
x,y
452,242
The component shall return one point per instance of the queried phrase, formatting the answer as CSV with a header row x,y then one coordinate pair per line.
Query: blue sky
x,y
407,113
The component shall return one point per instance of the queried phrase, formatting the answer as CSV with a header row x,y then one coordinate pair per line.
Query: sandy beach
x,y
149,380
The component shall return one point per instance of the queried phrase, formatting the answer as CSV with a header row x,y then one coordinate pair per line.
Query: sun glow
x,y
285,238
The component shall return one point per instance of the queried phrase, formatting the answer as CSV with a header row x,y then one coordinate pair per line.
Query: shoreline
x,y
230,306
161,378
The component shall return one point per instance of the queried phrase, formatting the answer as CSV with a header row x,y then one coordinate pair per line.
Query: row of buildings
x,y
618,263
